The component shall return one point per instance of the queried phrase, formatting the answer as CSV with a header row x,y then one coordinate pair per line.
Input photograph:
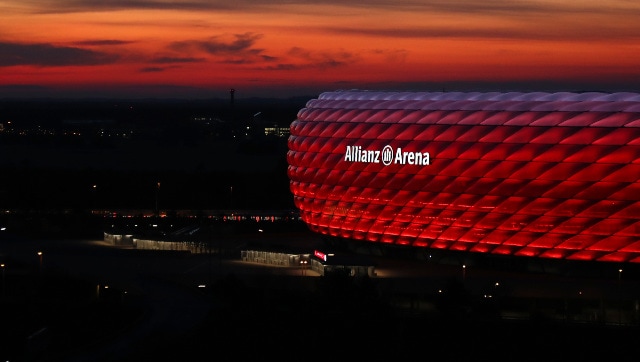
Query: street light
x,y
3,284
464,270
92,201
40,259
620,296
157,196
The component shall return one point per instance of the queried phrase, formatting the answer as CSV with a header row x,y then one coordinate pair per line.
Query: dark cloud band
x,y
12,54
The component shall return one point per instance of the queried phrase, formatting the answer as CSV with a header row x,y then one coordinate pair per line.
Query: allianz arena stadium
x,y
539,175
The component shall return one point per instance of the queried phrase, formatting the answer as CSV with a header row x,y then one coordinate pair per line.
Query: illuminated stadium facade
x,y
546,175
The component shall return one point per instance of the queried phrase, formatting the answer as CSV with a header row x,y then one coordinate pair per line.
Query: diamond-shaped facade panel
x,y
551,175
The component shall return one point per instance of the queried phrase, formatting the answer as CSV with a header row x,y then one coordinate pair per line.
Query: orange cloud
x,y
261,44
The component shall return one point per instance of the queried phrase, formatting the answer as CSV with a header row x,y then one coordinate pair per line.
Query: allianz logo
x,y
387,156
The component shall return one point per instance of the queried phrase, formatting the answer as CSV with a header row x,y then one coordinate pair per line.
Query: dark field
x,y
255,315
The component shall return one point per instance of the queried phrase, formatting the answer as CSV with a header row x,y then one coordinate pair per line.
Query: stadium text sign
x,y
387,156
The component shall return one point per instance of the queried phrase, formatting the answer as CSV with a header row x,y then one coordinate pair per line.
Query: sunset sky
x,y
282,48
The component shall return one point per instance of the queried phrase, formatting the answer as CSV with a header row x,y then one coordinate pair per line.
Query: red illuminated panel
x,y
548,175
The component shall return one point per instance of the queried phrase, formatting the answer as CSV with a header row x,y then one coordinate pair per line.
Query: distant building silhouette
x,y
231,94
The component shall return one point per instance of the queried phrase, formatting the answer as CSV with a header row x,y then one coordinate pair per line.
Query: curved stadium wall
x,y
549,175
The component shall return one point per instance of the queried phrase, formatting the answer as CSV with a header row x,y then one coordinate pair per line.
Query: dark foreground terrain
x,y
89,301
335,320
340,320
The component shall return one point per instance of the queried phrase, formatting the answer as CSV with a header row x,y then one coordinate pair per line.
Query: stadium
x,y
537,175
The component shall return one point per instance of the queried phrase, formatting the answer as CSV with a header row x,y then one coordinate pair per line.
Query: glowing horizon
x,y
202,48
